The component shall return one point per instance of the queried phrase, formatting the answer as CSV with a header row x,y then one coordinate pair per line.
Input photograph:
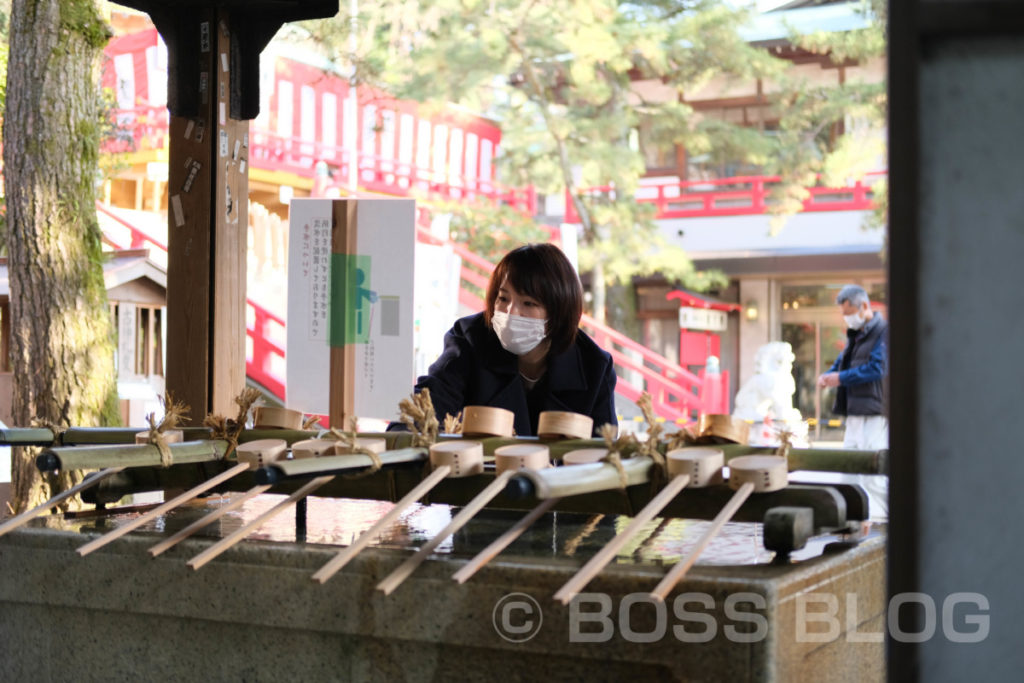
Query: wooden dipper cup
x,y
313,448
704,465
583,456
465,458
517,456
487,421
765,472
556,424
722,429
261,452
269,417
747,473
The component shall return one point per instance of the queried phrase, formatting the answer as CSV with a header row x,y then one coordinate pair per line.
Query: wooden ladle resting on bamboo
x,y
110,459
457,453
747,474
696,467
327,463
264,456
253,454
462,458
551,424
512,458
27,516
258,450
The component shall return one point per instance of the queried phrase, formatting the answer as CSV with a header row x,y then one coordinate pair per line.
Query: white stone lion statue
x,y
767,397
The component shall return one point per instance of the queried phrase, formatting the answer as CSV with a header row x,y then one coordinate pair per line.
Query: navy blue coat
x,y
475,370
862,386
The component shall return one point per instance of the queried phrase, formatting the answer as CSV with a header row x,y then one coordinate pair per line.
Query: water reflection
x,y
337,522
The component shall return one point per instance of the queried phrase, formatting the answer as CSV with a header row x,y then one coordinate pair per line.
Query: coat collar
x,y
869,326
565,370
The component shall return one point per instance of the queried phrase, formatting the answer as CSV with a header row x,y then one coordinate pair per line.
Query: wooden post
x,y
207,193
343,352
212,91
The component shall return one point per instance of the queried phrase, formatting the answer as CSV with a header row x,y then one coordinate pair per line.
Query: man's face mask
x,y
854,321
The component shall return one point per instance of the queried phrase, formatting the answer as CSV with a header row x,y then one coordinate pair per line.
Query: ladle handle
x,y
395,578
574,585
120,531
503,541
216,549
234,503
345,555
22,519
679,570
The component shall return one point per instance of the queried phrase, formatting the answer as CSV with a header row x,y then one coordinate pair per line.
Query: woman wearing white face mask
x,y
525,351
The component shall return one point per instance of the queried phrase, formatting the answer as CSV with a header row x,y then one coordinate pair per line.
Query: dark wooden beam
x,y
903,261
213,53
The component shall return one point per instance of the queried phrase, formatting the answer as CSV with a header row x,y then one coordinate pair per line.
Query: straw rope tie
x,y
785,443
229,430
453,423
157,439
351,441
614,447
654,430
417,413
58,431
174,411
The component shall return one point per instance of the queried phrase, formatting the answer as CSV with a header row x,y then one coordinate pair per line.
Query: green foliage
x,y
807,148
490,232
562,77
82,17
558,75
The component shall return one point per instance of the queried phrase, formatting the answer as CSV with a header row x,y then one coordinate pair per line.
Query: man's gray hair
x,y
855,294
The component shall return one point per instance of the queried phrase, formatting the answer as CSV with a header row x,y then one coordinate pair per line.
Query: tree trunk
x,y
62,348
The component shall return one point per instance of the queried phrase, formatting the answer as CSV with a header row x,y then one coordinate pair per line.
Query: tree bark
x,y
62,346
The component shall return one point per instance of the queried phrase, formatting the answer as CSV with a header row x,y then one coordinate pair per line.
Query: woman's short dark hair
x,y
542,271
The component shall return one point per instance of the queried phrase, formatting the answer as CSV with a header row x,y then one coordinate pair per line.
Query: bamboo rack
x,y
143,455
333,464
814,459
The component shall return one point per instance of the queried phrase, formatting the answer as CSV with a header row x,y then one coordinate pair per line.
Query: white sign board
x,y
438,274
372,311
702,319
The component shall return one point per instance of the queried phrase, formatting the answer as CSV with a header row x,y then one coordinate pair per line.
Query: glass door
x,y
812,325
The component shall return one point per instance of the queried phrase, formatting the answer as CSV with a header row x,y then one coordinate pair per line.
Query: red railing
x,y
138,238
145,128
261,352
389,176
273,152
737,196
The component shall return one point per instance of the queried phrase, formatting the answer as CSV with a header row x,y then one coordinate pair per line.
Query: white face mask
x,y
854,321
518,334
